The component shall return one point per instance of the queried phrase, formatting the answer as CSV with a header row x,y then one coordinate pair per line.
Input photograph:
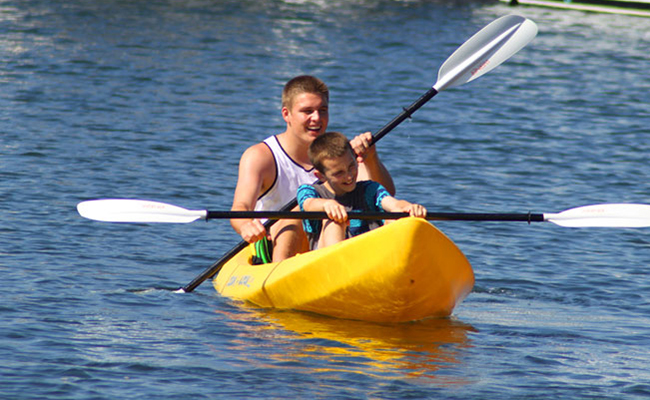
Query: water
x,y
157,99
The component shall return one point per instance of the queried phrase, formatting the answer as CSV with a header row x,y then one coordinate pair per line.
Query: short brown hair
x,y
303,84
327,146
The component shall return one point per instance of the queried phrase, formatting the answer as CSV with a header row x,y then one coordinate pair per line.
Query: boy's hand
x,y
416,210
253,231
335,211
361,146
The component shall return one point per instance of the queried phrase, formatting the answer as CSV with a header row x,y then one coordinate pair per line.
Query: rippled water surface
x,y
157,99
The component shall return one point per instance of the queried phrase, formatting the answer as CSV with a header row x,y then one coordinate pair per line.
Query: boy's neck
x,y
295,149
331,189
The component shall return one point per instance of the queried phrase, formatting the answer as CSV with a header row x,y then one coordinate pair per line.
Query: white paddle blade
x,y
123,210
603,215
486,50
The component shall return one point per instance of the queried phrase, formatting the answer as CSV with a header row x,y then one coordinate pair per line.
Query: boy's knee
x,y
289,239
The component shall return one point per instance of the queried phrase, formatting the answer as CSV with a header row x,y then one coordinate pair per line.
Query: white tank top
x,y
289,175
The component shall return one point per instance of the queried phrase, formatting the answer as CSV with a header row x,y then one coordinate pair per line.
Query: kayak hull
x,y
405,271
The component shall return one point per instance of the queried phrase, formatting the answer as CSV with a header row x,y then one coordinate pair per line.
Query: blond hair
x,y
303,84
329,145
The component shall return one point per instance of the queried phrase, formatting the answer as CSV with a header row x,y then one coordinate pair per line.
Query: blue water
x,y
157,99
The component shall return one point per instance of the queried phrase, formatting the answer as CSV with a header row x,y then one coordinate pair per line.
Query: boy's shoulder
x,y
368,185
314,190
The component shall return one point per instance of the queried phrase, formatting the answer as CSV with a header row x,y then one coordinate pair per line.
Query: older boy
x,y
337,167
271,171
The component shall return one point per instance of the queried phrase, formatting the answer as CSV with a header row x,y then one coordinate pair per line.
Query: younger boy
x,y
339,192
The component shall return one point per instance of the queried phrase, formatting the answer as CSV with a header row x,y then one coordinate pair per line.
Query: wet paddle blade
x,y
603,215
486,50
124,210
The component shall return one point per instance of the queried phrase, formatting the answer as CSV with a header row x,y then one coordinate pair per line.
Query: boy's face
x,y
308,116
341,173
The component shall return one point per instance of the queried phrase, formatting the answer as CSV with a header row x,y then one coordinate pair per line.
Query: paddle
x,y
483,52
143,211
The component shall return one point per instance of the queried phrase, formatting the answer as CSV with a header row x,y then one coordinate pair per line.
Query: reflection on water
x,y
319,344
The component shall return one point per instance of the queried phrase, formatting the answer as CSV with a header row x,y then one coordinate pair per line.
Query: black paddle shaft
x,y
216,267
404,114
379,215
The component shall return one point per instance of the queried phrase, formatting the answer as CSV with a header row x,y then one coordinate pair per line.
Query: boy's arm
x,y
335,211
392,204
256,167
370,166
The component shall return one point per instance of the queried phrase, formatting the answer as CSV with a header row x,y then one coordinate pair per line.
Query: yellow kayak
x,y
404,271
